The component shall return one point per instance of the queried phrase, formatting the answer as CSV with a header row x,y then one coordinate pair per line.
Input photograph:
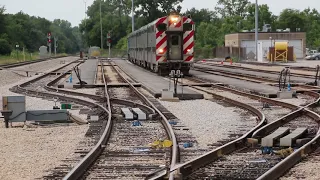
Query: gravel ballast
x,y
209,122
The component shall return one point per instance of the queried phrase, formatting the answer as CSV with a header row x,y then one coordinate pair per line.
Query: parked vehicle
x,y
315,56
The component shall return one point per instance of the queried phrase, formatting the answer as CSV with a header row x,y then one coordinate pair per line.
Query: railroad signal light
x,y
49,34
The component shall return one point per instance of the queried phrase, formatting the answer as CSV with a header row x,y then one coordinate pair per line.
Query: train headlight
x,y
188,50
174,19
161,51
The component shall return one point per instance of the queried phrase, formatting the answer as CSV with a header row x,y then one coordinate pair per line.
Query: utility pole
x,y
55,46
109,43
85,12
132,16
256,29
101,28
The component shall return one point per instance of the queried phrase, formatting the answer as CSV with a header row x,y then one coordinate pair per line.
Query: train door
x,y
175,46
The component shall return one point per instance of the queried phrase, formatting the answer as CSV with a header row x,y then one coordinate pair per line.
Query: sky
x,y
74,10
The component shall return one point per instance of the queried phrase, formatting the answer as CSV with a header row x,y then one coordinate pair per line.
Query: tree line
x,y
229,16
30,32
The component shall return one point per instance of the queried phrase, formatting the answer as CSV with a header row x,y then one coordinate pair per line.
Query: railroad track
x,y
183,135
262,70
281,65
37,88
232,161
296,85
27,62
126,154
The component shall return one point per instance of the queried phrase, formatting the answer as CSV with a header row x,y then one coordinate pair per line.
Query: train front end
x,y
175,42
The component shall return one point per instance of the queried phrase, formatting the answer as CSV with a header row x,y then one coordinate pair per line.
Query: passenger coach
x,y
164,45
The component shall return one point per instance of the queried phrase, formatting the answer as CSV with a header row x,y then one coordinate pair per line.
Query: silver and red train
x,y
165,44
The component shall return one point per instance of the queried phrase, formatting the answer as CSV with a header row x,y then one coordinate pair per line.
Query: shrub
x,y
5,48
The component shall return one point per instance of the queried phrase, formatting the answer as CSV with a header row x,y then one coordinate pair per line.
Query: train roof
x,y
143,28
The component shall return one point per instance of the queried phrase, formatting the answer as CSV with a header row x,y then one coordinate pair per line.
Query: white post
x,y
24,56
132,16
109,50
256,28
101,28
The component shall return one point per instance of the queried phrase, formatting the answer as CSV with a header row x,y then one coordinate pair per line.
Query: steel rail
x,y
279,65
85,163
253,78
256,70
188,167
278,170
165,122
95,152
11,65
50,87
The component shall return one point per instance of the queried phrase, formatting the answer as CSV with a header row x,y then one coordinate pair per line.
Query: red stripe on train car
x,y
186,39
189,47
178,25
184,19
161,20
163,40
158,57
189,58
159,33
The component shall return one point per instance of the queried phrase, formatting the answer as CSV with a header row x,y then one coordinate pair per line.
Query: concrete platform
x,y
265,90
155,83
88,72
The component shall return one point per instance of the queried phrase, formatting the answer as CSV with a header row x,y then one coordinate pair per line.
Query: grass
x,y
13,58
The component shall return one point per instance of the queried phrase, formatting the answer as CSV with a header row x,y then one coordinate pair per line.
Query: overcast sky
x,y
73,10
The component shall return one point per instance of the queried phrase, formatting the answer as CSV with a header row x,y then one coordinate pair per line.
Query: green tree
x,y
153,9
5,48
264,14
291,18
232,7
202,15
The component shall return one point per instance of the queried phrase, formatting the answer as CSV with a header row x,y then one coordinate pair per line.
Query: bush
x,y
5,48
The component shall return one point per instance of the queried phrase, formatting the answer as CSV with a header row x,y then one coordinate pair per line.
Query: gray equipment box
x,y
48,115
18,106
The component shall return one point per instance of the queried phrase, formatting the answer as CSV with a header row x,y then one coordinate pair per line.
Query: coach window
x,y
187,27
162,27
175,40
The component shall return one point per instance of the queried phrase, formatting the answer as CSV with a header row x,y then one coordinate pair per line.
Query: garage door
x,y
297,48
250,46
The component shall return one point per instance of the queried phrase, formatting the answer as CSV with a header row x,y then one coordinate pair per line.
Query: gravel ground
x,y
272,114
209,122
34,150
86,90
8,77
301,100
26,153
307,169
